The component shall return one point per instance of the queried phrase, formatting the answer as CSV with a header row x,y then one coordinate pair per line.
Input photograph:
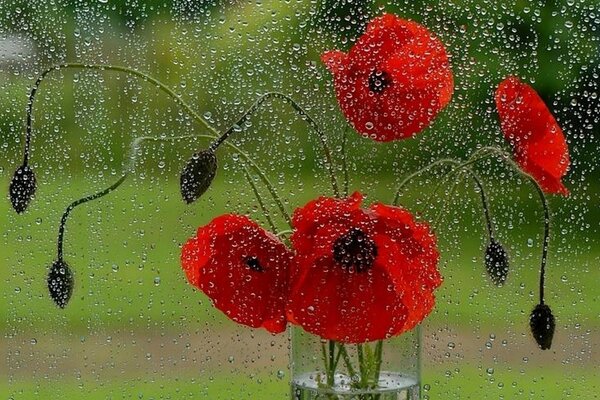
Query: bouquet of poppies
x,y
351,274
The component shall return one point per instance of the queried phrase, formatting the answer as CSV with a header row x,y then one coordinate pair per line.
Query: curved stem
x,y
546,241
344,162
128,169
484,202
263,177
347,360
413,175
270,187
285,232
259,199
63,220
475,157
257,169
104,67
448,196
302,113
133,153
506,157
458,166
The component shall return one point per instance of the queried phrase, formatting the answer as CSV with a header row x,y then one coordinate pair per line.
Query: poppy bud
x,y
542,325
60,283
22,188
197,175
496,262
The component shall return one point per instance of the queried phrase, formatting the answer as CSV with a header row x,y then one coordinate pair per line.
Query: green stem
x,y
347,361
135,145
439,216
264,209
325,359
378,360
337,360
362,366
331,378
285,232
71,207
170,93
263,178
413,175
303,114
478,155
475,157
484,202
133,153
103,67
507,158
344,162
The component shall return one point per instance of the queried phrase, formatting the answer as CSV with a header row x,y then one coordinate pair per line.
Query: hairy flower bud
x,y
22,188
542,325
60,283
496,262
197,175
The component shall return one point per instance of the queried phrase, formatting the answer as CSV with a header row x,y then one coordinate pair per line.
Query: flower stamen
x,y
378,81
253,263
355,250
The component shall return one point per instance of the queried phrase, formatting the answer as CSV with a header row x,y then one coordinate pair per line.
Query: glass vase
x,y
384,370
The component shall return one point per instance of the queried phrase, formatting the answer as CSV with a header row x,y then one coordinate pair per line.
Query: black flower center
x,y
379,80
355,250
253,263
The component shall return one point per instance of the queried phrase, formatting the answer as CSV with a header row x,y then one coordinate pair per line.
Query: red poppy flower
x,y
538,143
242,268
393,81
360,274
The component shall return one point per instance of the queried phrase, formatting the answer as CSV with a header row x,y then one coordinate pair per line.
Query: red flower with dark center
x,y
360,274
393,81
538,143
242,268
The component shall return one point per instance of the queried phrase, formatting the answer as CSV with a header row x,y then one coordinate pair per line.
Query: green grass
x,y
468,383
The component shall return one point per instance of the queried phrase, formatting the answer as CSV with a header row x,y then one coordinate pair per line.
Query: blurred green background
x,y
135,329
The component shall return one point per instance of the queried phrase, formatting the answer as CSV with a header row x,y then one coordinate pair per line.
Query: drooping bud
x,y
496,262
197,175
60,283
542,325
22,188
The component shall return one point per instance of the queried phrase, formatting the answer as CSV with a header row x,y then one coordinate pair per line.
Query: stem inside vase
x,y
330,370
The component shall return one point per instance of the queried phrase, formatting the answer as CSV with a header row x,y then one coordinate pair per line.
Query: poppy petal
x,y
394,80
242,268
538,143
360,274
